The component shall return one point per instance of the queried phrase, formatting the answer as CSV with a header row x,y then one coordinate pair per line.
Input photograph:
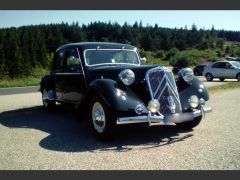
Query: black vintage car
x,y
109,81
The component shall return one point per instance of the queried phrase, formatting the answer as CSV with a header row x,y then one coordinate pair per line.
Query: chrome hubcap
x,y
98,117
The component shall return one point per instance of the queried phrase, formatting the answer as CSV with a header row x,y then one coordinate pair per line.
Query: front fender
x,y
118,97
195,88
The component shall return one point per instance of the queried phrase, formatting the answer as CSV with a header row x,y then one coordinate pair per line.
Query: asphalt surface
x,y
215,82
18,90
31,138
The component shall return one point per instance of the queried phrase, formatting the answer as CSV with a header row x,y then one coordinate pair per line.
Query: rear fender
x,y
47,82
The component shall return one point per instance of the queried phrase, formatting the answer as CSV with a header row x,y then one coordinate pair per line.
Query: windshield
x,y
95,57
235,63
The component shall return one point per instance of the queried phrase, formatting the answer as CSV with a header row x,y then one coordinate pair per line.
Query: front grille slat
x,y
162,87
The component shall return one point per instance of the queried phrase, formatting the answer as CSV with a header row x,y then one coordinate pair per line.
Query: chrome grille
x,y
162,86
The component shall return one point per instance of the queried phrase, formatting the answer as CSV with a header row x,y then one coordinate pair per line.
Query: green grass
x,y
157,61
230,85
32,80
28,81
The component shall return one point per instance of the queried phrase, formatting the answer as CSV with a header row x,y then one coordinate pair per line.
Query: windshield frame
x,y
84,56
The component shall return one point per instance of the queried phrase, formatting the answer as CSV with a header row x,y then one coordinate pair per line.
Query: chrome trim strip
x,y
84,55
84,76
159,119
207,109
160,83
62,73
167,85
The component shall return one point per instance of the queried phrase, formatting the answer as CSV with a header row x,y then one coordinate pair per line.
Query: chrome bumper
x,y
161,119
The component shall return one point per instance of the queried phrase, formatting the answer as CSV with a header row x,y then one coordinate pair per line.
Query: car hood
x,y
112,72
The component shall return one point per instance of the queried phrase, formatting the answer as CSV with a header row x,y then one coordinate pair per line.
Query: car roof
x,y
96,45
222,61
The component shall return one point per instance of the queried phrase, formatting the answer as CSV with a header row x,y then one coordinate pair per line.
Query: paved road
x,y
31,138
19,90
215,82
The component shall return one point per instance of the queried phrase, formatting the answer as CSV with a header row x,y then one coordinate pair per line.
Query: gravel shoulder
x,y
34,139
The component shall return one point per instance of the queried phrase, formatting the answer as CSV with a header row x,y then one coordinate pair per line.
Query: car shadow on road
x,y
69,133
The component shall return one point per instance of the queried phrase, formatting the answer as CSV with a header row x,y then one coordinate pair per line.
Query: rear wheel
x,y
47,104
209,77
221,79
190,124
238,77
102,119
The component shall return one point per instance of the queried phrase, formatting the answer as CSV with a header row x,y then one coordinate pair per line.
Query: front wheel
x,y
102,119
190,124
209,77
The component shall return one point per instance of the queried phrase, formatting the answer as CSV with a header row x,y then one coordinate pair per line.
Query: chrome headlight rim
x,y
127,77
186,74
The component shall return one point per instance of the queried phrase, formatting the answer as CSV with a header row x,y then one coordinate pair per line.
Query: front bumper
x,y
161,119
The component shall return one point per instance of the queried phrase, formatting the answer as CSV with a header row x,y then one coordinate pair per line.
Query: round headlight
x,y
194,101
186,74
153,106
127,76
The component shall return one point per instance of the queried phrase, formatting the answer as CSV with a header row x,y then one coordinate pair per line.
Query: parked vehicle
x,y
198,70
230,58
237,59
222,70
109,82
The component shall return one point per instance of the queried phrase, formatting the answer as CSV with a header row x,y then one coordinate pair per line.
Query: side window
x,y
219,65
215,65
58,61
228,65
225,65
72,62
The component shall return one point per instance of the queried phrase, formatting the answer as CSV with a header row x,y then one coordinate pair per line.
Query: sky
x,y
227,19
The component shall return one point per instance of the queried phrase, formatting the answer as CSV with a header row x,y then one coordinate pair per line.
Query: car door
x,y
224,73
216,69
57,70
74,79
230,71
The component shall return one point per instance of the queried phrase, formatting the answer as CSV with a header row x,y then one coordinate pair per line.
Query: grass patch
x,y
230,85
32,80
27,81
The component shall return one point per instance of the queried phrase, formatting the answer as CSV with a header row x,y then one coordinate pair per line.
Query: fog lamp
x,y
194,101
153,106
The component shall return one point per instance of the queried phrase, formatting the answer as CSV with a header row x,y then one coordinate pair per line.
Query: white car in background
x,y
222,70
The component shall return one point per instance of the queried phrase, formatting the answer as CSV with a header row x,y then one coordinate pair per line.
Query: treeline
x,y
24,49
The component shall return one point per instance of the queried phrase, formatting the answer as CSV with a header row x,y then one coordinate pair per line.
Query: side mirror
x,y
231,67
143,60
